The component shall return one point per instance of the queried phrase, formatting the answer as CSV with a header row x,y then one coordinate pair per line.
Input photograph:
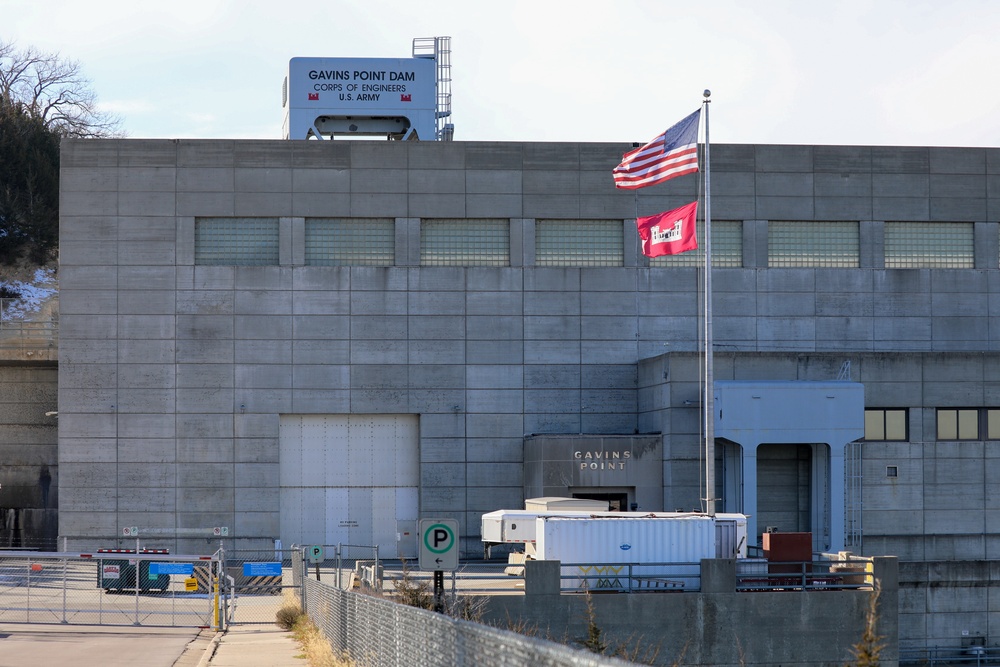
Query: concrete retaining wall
x,y
949,603
718,626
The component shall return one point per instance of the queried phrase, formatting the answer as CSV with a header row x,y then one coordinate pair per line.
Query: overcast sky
x,y
858,72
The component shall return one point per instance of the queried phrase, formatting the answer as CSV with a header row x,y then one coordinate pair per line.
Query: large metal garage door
x,y
784,488
348,479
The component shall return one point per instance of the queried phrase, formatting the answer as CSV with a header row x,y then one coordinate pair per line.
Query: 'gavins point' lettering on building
x,y
602,460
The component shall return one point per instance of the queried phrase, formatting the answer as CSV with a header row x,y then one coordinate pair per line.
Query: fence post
x,y
27,607
300,566
220,571
138,568
65,564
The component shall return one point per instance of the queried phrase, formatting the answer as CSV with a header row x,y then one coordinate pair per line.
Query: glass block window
x,y
350,241
958,424
929,245
835,244
474,242
886,424
236,241
727,247
579,243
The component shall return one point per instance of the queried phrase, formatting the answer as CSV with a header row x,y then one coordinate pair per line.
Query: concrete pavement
x,y
92,645
127,646
243,646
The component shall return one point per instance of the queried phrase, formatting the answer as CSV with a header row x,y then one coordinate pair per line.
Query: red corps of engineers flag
x,y
669,233
672,154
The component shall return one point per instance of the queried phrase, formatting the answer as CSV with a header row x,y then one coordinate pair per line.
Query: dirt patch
x,y
23,271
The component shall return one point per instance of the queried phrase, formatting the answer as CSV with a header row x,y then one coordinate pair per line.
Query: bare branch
x,y
53,89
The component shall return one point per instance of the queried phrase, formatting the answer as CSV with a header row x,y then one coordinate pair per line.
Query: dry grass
x,y
868,651
316,649
288,615
633,649
413,592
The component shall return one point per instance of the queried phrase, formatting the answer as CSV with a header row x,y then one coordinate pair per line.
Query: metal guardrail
x,y
29,335
18,333
949,656
471,578
500,578
629,577
763,575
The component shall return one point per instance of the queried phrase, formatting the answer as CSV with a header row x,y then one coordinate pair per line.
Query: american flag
x,y
671,154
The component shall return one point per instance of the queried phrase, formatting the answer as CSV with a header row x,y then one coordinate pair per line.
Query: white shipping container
x,y
619,553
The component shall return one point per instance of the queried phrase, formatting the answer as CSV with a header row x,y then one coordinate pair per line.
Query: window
x,y
892,471
886,424
958,424
727,247
929,245
236,241
579,243
834,244
993,424
350,241
479,242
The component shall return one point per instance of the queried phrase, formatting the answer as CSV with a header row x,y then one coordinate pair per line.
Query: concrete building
x,y
321,342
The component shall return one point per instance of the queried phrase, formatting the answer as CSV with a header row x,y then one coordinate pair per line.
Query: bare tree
x,y
54,90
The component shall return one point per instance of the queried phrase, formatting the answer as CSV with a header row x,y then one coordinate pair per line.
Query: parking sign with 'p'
x,y
438,544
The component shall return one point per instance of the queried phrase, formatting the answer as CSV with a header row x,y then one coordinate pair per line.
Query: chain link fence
x,y
346,566
114,588
256,583
376,632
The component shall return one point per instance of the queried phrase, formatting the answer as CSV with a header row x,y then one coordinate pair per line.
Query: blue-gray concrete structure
x,y
180,383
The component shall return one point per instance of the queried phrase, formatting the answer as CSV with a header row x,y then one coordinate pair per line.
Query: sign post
x,y
438,552
316,556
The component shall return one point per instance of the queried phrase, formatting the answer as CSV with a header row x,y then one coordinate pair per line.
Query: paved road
x,y
97,646
92,646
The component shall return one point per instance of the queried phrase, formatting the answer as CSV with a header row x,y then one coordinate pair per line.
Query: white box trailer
x,y
516,527
519,527
609,553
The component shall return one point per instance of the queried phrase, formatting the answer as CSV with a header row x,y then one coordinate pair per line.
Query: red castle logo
x,y
405,98
313,97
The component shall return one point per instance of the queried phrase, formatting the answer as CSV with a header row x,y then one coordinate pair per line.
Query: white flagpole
x,y
709,399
